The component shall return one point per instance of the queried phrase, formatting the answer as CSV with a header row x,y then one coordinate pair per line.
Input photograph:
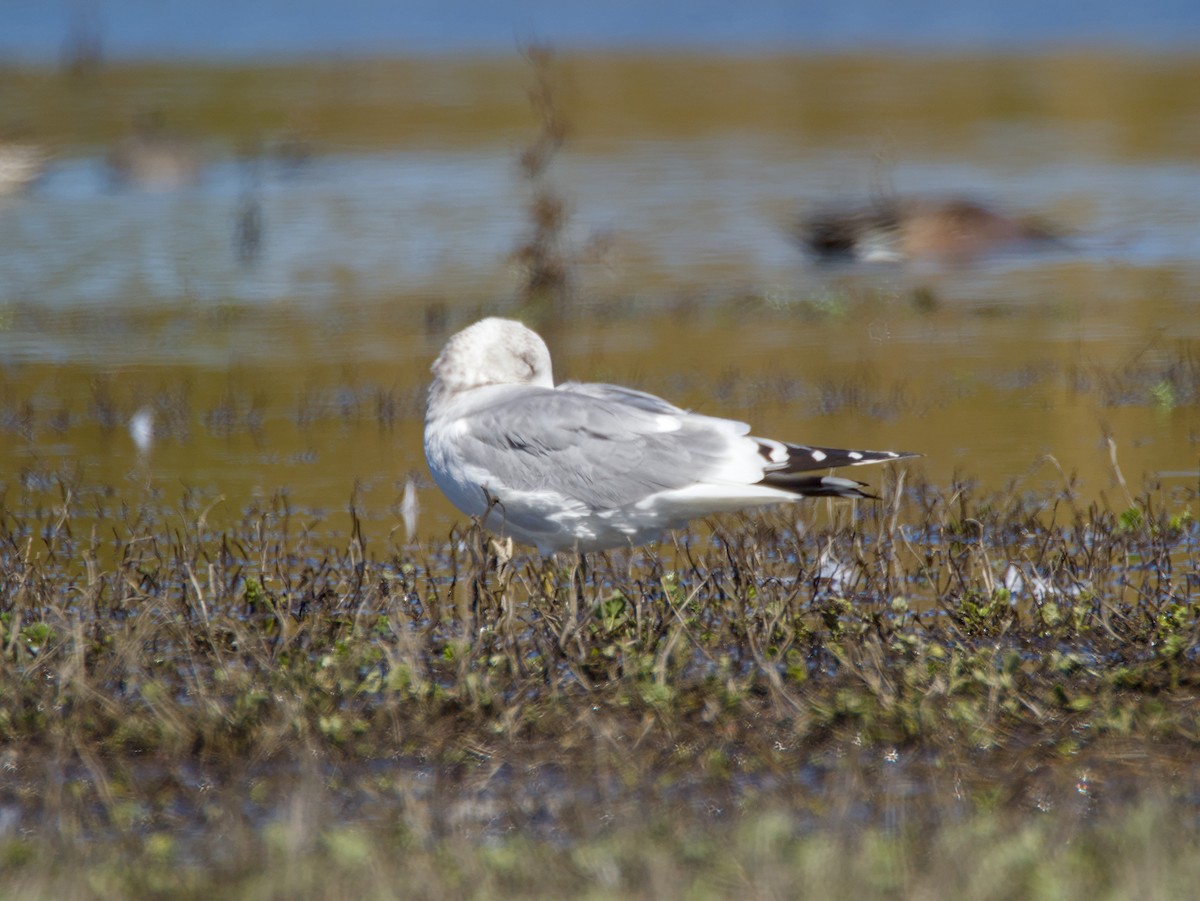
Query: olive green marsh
x,y
229,667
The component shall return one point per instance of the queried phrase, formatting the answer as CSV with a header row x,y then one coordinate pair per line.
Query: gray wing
x,y
625,397
599,444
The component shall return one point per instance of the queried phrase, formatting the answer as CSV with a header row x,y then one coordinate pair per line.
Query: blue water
x,y
38,30
710,214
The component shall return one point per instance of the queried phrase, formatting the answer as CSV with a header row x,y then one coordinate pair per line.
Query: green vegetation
x,y
981,699
381,102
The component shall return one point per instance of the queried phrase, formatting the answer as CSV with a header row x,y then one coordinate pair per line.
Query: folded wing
x,y
604,446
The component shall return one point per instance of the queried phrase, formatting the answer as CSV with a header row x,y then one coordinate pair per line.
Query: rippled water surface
x,y
390,203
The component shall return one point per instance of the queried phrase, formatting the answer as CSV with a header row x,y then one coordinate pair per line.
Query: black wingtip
x,y
819,486
803,458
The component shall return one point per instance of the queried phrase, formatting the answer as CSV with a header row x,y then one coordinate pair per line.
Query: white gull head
x,y
492,352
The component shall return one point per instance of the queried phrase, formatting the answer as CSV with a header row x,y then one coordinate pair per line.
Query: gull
x,y
587,467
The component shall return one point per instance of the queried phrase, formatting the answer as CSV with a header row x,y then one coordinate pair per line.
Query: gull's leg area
x,y
490,554
575,597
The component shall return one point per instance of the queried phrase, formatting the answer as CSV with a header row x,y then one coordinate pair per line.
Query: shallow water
x,y
303,371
